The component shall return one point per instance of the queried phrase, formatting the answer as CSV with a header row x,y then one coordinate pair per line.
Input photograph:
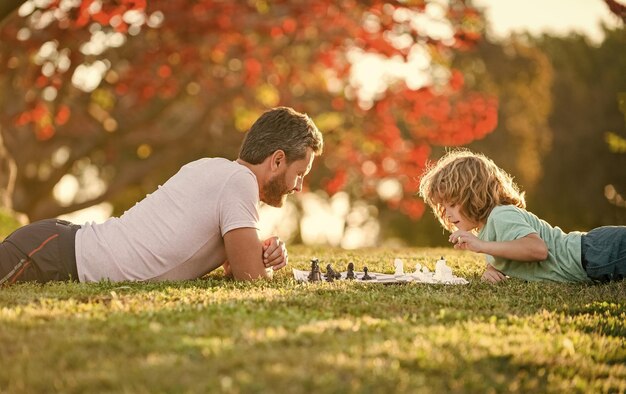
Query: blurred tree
x,y
617,143
617,8
8,6
615,192
582,172
556,101
124,93
520,77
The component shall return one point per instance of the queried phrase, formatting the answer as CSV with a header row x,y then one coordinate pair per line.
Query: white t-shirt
x,y
176,232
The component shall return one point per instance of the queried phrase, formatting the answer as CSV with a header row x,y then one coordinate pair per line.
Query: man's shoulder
x,y
217,166
211,162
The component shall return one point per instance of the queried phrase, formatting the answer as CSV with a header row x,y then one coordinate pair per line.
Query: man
x,y
203,217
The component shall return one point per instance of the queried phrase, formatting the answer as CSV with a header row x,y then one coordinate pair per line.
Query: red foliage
x,y
220,53
62,116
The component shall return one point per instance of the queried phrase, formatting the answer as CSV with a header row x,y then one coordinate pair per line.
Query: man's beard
x,y
275,191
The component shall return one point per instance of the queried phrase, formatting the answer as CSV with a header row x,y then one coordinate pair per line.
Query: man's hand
x,y
492,275
274,253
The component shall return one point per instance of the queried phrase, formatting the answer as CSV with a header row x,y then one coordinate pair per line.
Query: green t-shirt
x,y
508,222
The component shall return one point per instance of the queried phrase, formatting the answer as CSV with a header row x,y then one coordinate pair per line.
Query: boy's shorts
x,y
41,252
603,251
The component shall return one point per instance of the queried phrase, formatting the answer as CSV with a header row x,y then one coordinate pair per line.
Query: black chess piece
x,y
350,273
315,275
330,273
366,275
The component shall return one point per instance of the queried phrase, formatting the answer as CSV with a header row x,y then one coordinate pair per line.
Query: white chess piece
x,y
443,273
399,267
417,275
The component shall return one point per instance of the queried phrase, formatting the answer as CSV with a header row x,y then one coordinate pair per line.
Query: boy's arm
x,y
528,248
244,253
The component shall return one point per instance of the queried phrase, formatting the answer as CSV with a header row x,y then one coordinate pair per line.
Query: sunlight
x,y
371,74
559,17
389,189
322,221
88,77
335,221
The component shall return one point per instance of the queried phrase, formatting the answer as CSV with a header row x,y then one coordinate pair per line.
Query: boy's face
x,y
454,215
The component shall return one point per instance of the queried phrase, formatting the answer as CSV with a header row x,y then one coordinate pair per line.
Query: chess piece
x,y
443,273
418,268
315,275
350,273
330,273
366,275
399,267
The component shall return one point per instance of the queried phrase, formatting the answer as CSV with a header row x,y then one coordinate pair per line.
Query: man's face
x,y
288,181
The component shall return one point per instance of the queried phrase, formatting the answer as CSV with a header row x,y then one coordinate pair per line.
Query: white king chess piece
x,y
399,267
443,273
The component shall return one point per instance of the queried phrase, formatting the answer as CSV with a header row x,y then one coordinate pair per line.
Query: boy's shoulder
x,y
504,209
510,213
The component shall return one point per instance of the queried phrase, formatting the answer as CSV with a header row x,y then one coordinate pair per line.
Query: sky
x,y
554,16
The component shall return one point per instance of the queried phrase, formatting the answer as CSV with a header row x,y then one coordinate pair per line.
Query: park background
x,y
102,102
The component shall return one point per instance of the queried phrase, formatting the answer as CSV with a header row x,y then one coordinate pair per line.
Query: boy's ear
x,y
278,160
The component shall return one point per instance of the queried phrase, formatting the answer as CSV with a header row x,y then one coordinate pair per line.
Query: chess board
x,y
377,277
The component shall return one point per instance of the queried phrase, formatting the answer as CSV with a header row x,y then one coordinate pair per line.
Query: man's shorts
x,y
41,252
604,253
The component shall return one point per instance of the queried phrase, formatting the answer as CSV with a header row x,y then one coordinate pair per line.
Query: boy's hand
x,y
465,240
274,253
492,275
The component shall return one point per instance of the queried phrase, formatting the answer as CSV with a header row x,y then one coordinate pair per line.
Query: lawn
x,y
215,335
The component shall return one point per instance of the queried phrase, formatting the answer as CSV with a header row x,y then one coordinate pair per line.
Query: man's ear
x,y
278,160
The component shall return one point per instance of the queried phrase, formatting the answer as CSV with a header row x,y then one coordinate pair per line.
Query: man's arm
x,y
244,253
227,272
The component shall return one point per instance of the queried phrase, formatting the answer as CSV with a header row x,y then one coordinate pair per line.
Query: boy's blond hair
x,y
470,180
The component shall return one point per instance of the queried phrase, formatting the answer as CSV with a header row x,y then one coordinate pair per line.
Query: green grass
x,y
8,223
215,335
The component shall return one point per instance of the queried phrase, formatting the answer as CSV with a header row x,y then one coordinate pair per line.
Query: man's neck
x,y
257,170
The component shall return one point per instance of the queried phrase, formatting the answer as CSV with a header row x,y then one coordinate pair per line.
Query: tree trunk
x,y
8,172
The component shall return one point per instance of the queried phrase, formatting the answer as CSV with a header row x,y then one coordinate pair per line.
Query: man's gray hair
x,y
281,128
